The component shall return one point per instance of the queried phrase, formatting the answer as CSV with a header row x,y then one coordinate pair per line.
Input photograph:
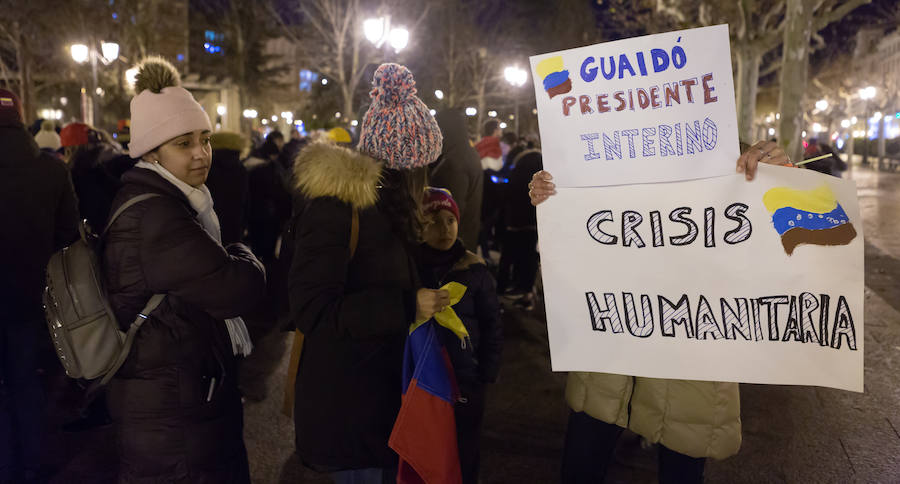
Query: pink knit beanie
x,y
161,109
398,128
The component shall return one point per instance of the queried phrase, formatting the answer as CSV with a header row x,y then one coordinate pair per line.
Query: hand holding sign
x,y
761,152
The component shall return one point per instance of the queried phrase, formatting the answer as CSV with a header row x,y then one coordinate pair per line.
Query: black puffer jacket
x,y
40,215
459,170
520,213
355,313
175,402
478,361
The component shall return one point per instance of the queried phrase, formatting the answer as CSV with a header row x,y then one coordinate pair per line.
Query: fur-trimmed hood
x,y
326,170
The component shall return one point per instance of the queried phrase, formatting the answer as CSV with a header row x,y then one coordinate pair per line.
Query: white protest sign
x,y
716,279
641,110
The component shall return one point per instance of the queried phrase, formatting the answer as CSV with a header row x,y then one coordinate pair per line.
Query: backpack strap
x,y
128,203
152,304
129,337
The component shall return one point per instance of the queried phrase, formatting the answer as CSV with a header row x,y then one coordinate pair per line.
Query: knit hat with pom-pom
x,y
398,128
161,109
47,137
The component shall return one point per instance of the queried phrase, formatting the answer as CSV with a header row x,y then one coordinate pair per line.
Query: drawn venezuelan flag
x,y
555,76
808,217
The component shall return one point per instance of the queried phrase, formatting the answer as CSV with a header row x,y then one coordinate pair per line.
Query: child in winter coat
x,y
476,362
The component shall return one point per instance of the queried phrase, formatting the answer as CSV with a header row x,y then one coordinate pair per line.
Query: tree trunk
x,y
348,113
794,75
881,142
746,85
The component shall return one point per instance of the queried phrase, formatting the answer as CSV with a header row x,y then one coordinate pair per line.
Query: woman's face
x,y
440,230
188,157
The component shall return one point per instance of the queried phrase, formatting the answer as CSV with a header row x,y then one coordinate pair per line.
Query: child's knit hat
x,y
398,128
161,109
437,199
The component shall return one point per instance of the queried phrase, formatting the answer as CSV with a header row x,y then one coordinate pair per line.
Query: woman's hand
x,y
541,187
761,152
429,302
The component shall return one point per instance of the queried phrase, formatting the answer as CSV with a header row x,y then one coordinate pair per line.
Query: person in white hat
x,y
175,401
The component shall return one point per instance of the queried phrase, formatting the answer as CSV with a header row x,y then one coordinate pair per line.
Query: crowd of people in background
x,y
349,235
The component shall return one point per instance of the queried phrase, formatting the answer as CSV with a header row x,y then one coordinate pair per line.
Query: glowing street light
x,y
110,51
221,110
515,76
399,39
374,28
433,112
324,81
470,111
80,53
817,128
439,94
845,123
821,104
250,113
867,93
492,114
131,76
502,125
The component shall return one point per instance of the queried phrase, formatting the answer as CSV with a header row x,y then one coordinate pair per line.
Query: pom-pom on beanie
x,y
437,199
161,109
398,128
47,137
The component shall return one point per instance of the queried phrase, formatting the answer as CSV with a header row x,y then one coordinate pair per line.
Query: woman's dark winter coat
x,y
40,215
230,189
175,400
354,312
459,170
520,213
478,361
96,172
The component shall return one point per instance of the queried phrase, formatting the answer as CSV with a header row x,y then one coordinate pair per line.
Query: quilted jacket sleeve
x,y
179,257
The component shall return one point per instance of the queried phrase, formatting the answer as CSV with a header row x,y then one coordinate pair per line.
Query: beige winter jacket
x,y
696,418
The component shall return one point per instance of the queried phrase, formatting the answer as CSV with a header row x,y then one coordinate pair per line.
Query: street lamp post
x,y
866,94
516,77
82,53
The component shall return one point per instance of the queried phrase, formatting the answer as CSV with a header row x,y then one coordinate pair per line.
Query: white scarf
x,y
201,201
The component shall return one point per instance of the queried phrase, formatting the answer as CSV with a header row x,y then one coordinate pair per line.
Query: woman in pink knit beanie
x,y
175,401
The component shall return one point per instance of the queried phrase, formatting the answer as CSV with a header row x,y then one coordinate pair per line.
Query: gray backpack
x,y
83,327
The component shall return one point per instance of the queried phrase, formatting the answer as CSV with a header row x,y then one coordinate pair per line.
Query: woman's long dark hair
x,y
400,198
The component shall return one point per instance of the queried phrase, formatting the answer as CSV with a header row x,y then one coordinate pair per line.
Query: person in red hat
x,y
96,167
38,209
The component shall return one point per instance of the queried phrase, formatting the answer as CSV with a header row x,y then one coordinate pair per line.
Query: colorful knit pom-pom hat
x,y
398,128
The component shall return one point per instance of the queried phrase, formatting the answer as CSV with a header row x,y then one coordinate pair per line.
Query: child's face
x,y
440,230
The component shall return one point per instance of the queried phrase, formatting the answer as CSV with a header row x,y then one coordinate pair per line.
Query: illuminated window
x,y
213,42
